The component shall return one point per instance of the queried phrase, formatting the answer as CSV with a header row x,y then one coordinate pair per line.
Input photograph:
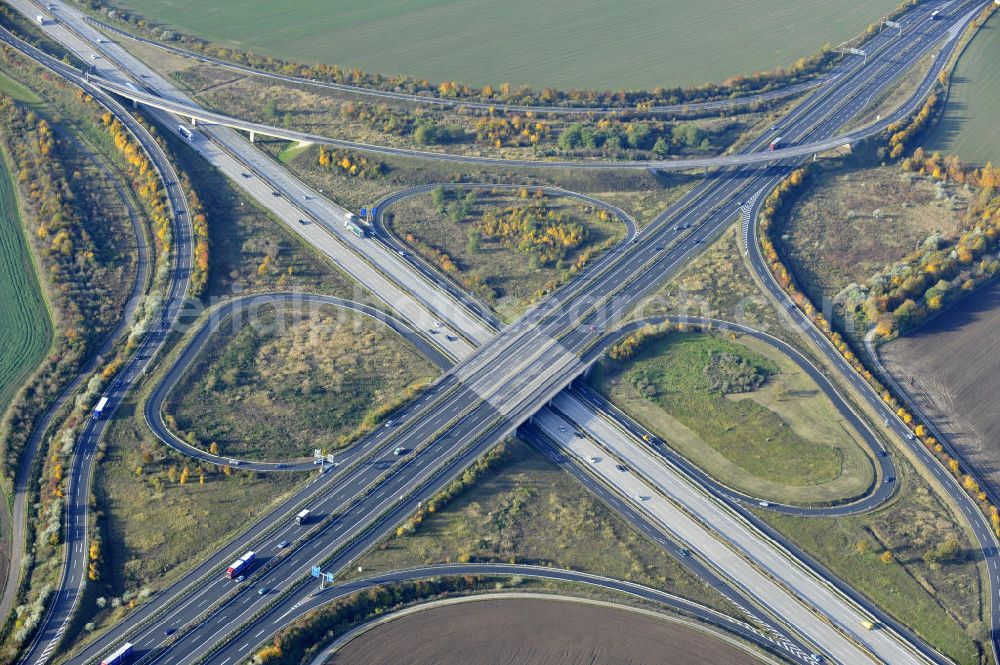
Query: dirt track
x,y
954,363
535,632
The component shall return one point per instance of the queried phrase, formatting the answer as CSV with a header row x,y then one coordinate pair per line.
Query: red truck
x,y
240,566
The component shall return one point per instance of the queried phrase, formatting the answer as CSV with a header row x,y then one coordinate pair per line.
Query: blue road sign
x,y
316,571
364,212
328,577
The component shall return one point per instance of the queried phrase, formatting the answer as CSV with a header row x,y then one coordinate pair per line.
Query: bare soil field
x,y
535,632
951,366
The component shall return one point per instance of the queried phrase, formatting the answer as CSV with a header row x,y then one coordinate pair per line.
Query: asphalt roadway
x,y
62,607
22,477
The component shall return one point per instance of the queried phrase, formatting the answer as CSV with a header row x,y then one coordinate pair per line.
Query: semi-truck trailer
x,y
185,132
240,566
775,143
352,224
302,517
99,409
121,655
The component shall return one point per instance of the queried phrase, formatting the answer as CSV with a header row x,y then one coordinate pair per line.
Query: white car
x,y
592,460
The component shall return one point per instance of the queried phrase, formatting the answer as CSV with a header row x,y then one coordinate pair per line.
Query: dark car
x,y
278,194
889,480
621,467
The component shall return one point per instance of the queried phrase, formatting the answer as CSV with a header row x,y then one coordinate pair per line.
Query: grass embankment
x,y
527,510
289,381
571,44
745,413
968,127
24,318
507,248
251,250
931,582
716,284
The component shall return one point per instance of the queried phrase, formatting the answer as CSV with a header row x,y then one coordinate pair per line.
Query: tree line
x,y
304,638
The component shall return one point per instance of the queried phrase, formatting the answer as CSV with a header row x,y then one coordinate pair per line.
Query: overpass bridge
x,y
198,115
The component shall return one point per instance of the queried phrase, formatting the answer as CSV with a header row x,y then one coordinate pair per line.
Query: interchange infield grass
x,y
24,319
782,441
563,43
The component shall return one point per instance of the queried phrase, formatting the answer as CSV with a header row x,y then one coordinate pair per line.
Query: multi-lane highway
x,y
505,381
78,490
634,266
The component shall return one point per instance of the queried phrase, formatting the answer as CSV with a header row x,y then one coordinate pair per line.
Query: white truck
x,y
302,517
99,409
352,224
41,19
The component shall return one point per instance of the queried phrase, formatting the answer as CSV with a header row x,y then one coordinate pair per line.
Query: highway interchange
x,y
563,334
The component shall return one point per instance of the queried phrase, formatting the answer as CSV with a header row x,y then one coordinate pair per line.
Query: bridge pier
x,y
253,136
194,121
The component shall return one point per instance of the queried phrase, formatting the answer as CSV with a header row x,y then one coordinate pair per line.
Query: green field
x,y
749,416
23,316
561,43
968,127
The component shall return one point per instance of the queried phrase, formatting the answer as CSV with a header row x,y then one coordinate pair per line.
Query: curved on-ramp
x,y
153,408
683,606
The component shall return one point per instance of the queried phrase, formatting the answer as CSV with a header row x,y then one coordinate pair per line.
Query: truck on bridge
x,y
240,566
